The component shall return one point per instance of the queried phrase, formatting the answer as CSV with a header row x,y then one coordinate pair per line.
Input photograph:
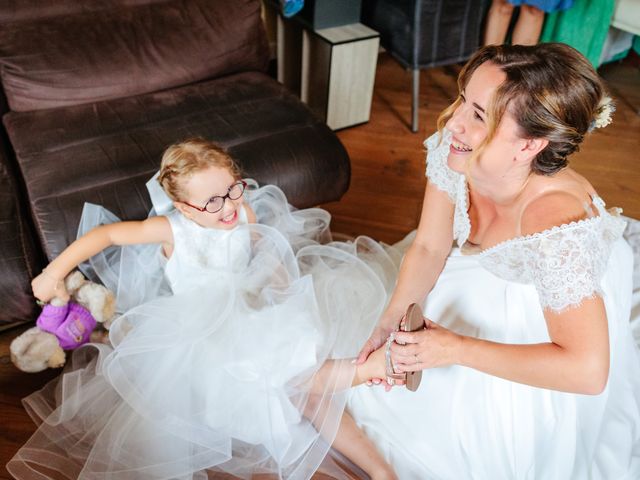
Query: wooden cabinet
x,y
331,69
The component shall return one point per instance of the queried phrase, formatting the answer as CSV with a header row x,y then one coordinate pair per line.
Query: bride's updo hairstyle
x,y
552,92
183,159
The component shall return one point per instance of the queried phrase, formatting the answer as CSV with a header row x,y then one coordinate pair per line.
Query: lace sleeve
x,y
438,172
567,263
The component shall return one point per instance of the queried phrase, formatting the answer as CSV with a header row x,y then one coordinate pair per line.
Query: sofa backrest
x,y
69,52
20,10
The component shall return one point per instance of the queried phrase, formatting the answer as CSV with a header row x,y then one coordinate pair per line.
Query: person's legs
x,y
497,22
356,446
528,27
350,440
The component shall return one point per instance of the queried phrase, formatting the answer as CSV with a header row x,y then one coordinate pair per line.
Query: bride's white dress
x,y
464,424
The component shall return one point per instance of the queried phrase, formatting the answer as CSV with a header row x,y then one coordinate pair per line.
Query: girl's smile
x,y
230,219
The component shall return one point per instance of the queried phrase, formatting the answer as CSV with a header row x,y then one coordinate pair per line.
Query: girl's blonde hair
x,y
183,159
551,90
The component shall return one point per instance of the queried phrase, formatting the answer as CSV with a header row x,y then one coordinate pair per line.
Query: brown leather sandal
x,y
413,321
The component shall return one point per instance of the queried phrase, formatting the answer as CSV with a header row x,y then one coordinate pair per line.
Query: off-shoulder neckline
x,y
596,200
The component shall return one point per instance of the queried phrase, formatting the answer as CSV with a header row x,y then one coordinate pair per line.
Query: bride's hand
x,y
377,339
435,346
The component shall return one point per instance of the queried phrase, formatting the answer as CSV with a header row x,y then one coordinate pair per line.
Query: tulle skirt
x,y
246,372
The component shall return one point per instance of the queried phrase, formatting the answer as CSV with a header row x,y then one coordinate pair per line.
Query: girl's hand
x,y
46,286
433,347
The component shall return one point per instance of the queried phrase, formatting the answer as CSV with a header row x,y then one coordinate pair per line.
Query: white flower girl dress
x,y
214,356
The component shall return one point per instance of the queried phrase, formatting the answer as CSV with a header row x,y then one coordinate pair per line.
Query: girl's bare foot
x,y
373,367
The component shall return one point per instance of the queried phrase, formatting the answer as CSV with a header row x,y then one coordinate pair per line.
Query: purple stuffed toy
x,y
65,325
72,324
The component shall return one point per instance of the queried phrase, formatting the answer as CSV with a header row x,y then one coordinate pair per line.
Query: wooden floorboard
x,y
387,185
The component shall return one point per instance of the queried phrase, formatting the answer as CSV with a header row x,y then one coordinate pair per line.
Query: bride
x,y
529,366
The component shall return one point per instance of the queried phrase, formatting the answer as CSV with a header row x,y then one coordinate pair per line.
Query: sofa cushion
x,y
127,50
105,152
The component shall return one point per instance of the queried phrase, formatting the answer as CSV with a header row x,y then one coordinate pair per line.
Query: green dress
x,y
584,26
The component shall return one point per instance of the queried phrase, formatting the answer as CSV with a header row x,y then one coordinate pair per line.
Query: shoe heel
x,y
413,322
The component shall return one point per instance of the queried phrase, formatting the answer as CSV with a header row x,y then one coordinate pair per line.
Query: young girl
x,y
232,349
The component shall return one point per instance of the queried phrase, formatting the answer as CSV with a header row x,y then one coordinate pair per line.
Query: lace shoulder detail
x,y
565,263
438,172
453,183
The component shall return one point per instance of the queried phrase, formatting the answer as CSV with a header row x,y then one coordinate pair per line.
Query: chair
x,y
424,34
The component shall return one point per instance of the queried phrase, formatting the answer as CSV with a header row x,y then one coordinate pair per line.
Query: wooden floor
x,y
388,183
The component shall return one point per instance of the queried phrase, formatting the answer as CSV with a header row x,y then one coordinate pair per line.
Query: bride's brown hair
x,y
551,90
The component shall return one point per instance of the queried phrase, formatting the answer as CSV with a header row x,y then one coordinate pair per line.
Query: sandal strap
x,y
391,374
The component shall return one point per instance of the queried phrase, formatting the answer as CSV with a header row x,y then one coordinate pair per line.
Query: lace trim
x,y
565,226
565,263
450,182
438,172
632,236
461,220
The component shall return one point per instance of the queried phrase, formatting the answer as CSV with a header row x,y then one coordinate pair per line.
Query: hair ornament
x,y
603,113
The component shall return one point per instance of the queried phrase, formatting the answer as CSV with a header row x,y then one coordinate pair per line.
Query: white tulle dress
x,y
464,424
215,354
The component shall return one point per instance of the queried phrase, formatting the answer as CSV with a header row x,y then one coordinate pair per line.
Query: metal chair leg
x,y
415,90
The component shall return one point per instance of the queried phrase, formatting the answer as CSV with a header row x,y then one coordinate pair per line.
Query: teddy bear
x,y
65,325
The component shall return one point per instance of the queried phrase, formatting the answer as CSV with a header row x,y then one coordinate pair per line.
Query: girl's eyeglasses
x,y
216,203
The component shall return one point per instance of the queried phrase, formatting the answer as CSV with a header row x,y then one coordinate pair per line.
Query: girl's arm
x,y
421,265
50,282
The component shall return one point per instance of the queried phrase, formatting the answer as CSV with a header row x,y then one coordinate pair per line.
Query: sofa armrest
x,y
19,255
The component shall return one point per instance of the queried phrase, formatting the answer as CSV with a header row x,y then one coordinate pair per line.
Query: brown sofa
x,y
91,94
